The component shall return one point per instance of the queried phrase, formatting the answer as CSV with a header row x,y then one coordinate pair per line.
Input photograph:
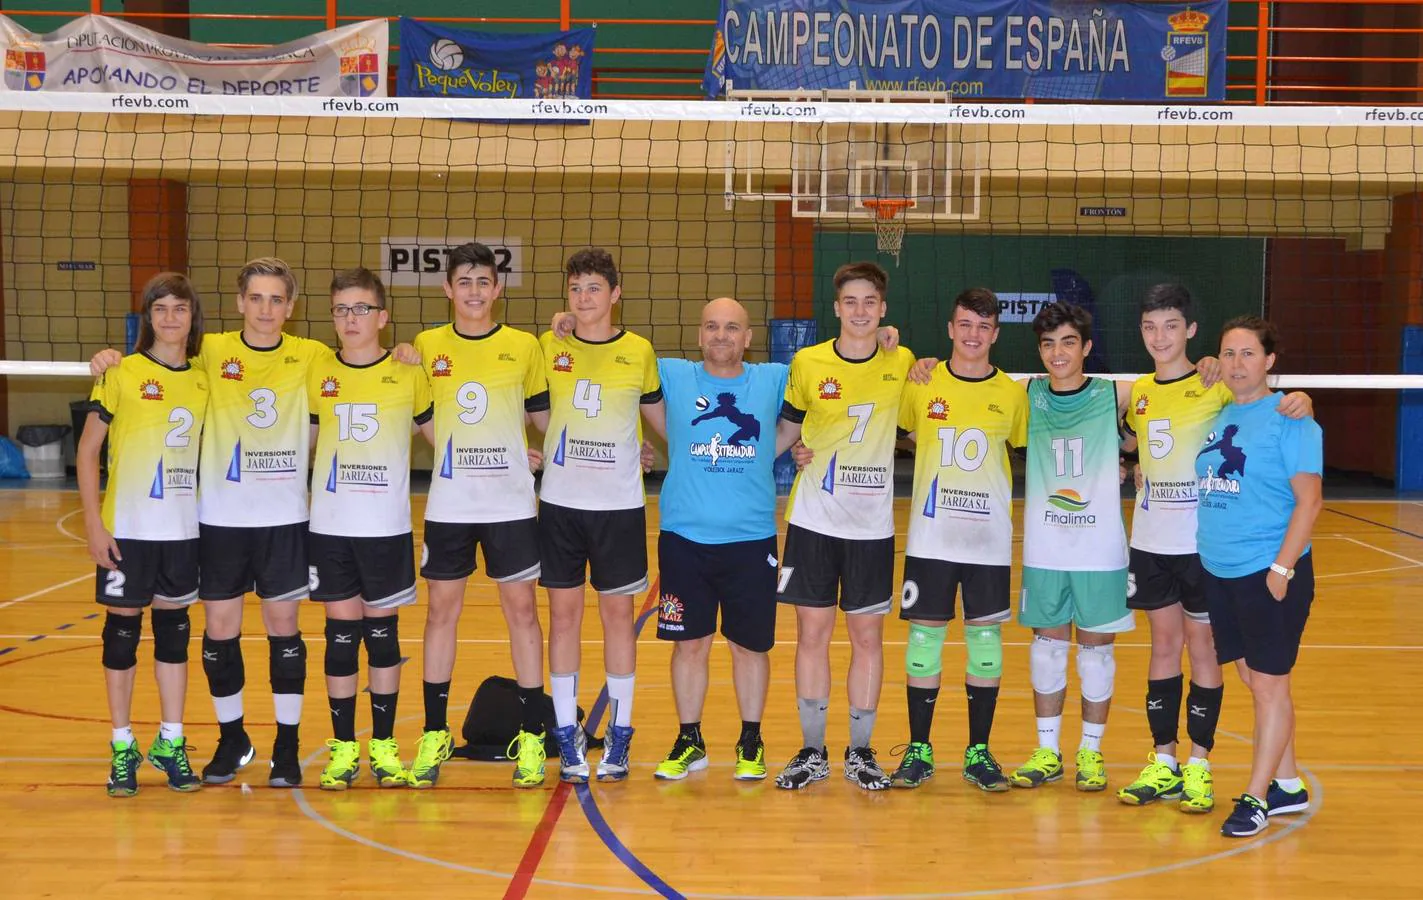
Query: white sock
x,y
288,707
1290,785
1199,761
565,698
620,699
1049,731
229,709
1092,736
1166,759
123,735
170,731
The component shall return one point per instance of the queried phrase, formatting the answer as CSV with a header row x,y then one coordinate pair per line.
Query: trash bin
x,y
43,446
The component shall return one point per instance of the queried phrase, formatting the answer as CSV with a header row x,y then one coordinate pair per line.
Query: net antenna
x,y
890,220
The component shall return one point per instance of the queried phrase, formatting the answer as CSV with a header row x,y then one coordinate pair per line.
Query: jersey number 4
x,y
587,396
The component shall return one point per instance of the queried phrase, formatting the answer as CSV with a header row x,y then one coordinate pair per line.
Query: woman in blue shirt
x,y
1259,488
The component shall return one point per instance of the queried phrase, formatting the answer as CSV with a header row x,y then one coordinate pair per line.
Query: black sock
x,y
1202,713
982,702
1163,709
286,734
232,730
750,734
437,705
531,699
921,712
343,718
692,731
383,715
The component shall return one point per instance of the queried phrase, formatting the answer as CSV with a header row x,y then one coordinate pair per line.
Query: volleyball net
x,y
1311,216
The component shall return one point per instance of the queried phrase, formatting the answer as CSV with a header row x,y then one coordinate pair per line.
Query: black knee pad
x,y
287,664
1202,714
171,632
121,634
343,647
222,663
382,641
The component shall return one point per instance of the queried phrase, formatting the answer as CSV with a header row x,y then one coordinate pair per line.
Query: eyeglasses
x,y
360,309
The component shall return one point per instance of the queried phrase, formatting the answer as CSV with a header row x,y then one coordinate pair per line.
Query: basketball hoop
x,y
889,222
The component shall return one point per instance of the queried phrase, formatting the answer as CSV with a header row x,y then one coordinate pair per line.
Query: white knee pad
x,y
1047,660
1097,670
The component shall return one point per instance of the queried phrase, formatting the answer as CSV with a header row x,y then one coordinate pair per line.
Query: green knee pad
x,y
924,654
985,650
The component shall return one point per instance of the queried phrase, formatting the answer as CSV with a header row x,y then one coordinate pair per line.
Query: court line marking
x,y
42,591
1393,528
1367,572
1406,559
59,523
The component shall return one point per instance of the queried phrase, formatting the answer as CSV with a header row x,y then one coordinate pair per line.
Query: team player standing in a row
x,y
144,535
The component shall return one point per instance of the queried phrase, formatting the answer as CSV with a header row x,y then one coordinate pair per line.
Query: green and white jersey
x,y
1072,511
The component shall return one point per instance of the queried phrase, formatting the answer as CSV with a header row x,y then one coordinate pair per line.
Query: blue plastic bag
x,y
12,460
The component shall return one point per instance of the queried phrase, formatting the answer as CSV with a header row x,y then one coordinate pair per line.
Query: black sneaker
x,y
1250,817
981,769
1280,802
286,768
863,769
805,767
233,752
916,768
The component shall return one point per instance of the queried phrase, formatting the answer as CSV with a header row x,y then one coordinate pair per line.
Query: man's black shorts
x,y
697,579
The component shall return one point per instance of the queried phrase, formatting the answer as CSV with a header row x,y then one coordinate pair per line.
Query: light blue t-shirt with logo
x,y
721,446
1243,473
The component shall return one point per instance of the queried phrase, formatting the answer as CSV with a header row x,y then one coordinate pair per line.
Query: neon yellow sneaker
x,y
1157,781
528,759
344,767
386,766
750,762
1091,770
431,751
1043,766
685,758
1197,789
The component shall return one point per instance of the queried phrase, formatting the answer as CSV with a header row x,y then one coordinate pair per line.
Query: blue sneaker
x,y
570,751
123,769
1248,818
1281,802
171,758
614,764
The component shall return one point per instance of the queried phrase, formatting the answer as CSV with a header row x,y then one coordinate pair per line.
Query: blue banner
x,y
449,62
989,49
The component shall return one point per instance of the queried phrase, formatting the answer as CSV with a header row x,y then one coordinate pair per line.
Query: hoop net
x,y
889,222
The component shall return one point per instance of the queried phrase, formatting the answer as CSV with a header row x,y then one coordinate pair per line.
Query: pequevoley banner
x,y
450,62
101,53
990,49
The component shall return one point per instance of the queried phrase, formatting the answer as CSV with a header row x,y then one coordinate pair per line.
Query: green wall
x,y
1225,275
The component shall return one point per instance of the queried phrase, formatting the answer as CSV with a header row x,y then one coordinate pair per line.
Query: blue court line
x,y
1402,531
38,637
64,626
4,650
595,816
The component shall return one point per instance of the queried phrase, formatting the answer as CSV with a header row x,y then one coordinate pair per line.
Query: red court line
x,y
538,843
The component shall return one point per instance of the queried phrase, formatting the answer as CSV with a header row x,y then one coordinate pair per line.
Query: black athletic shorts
x,y
817,570
270,561
930,586
379,570
696,579
1250,624
1159,580
150,570
610,545
511,550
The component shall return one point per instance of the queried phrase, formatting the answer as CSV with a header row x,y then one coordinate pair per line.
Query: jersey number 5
x,y
1158,438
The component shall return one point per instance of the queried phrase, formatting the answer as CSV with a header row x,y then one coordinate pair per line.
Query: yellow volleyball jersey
x,y
1170,420
481,387
361,474
257,441
850,410
962,509
155,414
593,447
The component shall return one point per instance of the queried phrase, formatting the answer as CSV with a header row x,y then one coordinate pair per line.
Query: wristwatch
x,y
1281,570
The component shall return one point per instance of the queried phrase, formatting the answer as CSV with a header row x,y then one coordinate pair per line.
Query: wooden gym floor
x,y
1360,743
